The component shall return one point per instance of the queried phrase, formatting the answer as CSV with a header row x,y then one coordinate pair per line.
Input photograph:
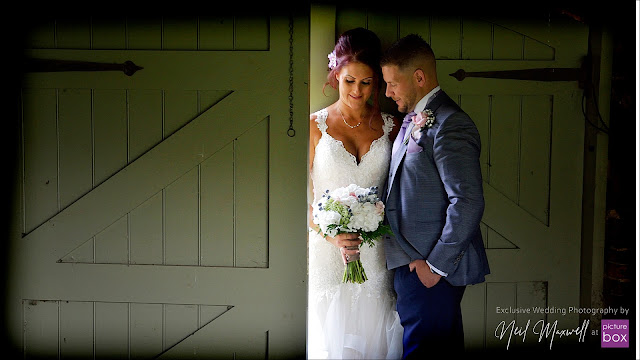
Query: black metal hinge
x,y
50,65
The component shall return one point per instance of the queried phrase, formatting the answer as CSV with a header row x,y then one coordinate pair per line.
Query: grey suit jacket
x,y
434,198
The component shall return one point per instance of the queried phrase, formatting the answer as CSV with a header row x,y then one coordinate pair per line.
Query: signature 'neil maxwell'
x,y
540,328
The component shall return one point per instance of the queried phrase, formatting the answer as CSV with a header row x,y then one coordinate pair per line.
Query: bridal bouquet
x,y
347,210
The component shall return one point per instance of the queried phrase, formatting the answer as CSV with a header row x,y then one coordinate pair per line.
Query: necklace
x,y
345,120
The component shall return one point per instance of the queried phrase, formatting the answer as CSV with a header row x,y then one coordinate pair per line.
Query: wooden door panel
x,y
110,133
108,33
146,330
111,245
217,226
112,329
511,220
218,338
73,33
75,173
40,338
145,121
445,36
144,33
504,145
493,239
216,32
111,142
515,133
180,107
508,45
181,219
145,232
149,174
477,42
40,157
251,192
189,209
169,223
76,329
535,159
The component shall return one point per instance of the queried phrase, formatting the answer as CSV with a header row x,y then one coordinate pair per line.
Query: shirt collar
x,y
422,104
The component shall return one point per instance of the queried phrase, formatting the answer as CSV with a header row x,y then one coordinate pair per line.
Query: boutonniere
x,y
422,120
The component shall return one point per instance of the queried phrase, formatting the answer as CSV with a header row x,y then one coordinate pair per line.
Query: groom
x,y
434,203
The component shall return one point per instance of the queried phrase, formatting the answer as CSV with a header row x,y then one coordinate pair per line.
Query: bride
x,y
350,142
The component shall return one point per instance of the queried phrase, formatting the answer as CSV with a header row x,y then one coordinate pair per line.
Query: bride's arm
x,y
314,137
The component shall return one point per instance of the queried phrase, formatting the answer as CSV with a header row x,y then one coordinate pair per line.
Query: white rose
x,y
364,217
339,193
326,218
352,188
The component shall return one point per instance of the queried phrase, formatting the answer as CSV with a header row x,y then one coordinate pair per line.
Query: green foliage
x,y
369,237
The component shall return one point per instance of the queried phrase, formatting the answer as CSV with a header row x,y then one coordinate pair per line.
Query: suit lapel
x,y
440,98
396,160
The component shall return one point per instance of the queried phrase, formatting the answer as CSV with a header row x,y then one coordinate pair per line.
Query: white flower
x,y
365,217
351,209
325,218
346,195
359,208
332,59
329,217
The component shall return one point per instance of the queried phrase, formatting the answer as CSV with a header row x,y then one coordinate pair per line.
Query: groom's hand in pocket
x,y
348,243
422,269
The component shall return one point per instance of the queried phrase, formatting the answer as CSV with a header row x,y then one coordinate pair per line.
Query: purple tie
x,y
403,130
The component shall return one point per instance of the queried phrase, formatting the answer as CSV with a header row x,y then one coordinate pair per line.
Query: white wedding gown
x,y
346,320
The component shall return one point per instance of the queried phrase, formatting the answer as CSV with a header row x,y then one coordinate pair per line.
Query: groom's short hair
x,y
409,50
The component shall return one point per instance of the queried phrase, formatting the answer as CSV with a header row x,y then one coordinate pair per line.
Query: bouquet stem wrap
x,y
352,209
354,272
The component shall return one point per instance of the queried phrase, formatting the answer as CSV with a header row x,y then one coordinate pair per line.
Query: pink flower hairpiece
x,y
332,60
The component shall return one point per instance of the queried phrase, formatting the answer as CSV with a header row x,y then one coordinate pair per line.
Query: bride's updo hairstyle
x,y
356,45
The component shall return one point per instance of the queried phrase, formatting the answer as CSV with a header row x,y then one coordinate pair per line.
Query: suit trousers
x,y
431,317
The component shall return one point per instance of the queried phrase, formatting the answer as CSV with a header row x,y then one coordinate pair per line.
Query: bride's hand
x,y
348,244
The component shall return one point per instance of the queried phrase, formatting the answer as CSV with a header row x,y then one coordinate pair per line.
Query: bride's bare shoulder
x,y
314,127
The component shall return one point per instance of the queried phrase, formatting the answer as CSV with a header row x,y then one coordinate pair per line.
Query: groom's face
x,y
400,87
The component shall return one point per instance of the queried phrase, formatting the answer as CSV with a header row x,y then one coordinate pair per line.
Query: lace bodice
x,y
334,166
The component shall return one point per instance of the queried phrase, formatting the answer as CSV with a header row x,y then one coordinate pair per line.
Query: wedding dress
x,y
347,320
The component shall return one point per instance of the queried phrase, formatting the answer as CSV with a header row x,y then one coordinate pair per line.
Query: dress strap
x,y
321,120
388,123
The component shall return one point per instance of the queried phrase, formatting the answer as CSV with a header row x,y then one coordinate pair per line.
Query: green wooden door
x,y
532,153
157,212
